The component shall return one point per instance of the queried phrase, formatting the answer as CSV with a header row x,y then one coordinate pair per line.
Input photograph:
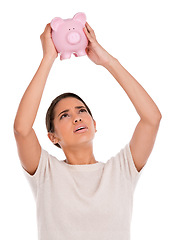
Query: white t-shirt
x,y
84,202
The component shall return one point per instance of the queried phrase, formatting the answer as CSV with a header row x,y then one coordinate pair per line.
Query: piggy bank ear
x,y
81,17
55,23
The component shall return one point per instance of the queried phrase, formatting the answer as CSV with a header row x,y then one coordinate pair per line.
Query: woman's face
x,y
65,124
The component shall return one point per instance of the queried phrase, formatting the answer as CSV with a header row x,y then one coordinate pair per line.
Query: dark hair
x,y
50,112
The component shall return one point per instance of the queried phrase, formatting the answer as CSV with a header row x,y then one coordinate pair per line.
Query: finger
x,y
48,28
47,31
88,26
86,30
90,30
87,50
88,34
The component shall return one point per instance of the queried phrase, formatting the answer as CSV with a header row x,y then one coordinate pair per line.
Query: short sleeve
x,y
127,165
41,173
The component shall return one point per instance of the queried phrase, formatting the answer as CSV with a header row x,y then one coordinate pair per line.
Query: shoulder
x,y
123,161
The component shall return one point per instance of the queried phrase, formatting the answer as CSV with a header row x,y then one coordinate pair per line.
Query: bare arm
x,y
144,136
145,132
29,149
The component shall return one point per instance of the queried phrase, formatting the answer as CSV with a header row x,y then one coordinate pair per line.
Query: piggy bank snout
x,y
73,38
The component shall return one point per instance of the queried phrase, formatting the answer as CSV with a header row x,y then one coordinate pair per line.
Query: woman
x,y
79,197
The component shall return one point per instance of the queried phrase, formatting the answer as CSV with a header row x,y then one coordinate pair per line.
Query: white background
x,y
137,34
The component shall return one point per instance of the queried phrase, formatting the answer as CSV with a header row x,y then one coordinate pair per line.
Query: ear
x,y
95,125
81,17
52,138
56,22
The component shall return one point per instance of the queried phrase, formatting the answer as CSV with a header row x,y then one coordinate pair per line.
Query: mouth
x,y
80,129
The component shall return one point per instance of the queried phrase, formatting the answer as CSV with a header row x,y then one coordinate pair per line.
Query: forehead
x,y
68,103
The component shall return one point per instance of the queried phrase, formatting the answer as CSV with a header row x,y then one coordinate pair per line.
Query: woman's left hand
x,y
94,50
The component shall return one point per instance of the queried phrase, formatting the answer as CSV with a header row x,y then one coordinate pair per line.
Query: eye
x,y
83,110
63,115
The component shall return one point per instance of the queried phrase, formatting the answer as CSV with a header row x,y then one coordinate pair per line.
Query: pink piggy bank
x,y
68,36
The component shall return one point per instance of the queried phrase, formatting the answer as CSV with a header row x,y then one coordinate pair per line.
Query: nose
x,y
77,120
73,38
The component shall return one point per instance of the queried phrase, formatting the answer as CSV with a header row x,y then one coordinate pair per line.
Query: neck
x,y
80,155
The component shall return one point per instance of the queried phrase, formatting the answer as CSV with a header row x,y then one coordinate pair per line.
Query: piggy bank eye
x,y
69,28
73,28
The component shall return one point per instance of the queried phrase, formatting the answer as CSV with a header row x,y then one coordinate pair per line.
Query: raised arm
x,y
29,149
145,133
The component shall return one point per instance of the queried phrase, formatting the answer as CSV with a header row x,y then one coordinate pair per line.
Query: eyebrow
x,y
67,110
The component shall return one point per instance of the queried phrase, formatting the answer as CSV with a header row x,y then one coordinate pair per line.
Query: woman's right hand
x,y
49,49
